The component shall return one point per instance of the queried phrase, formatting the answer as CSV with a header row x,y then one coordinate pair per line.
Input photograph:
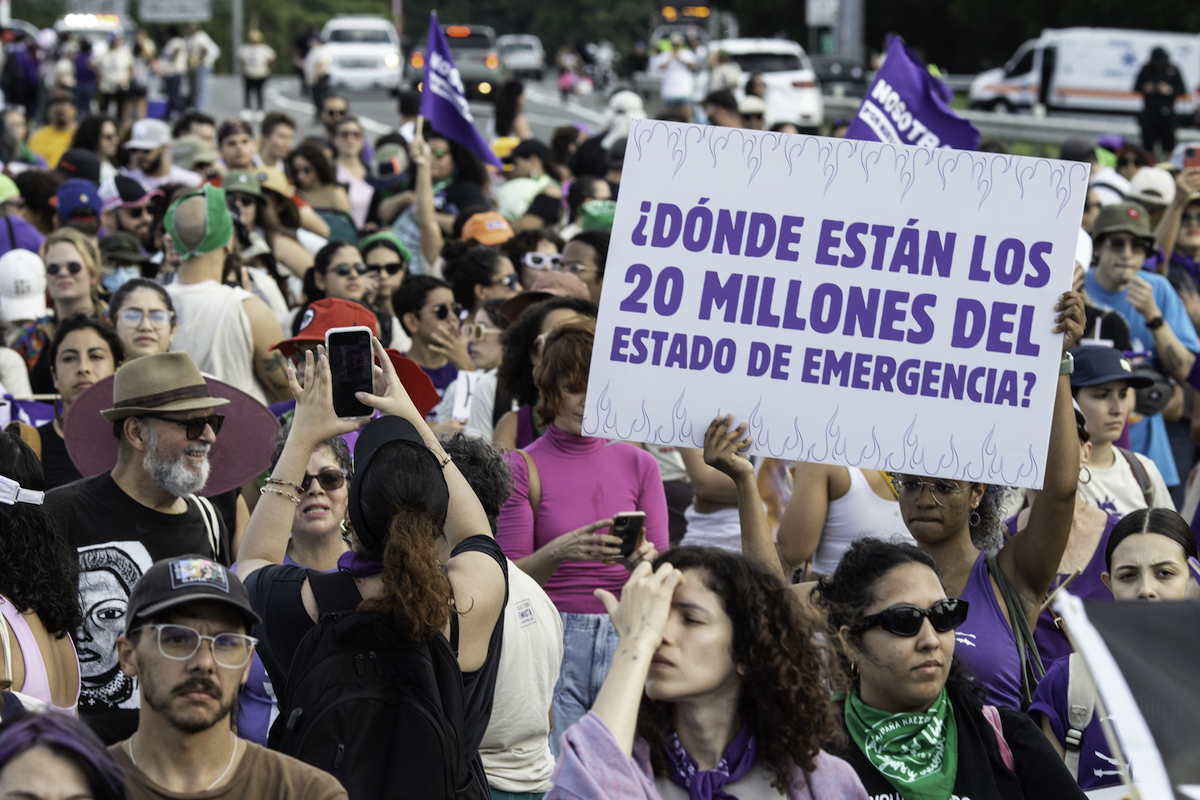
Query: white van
x,y
1086,69
365,52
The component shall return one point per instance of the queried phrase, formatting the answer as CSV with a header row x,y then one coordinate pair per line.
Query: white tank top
x,y
855,515
215,331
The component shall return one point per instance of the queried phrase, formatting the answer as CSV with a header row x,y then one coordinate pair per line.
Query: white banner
x,y
859,303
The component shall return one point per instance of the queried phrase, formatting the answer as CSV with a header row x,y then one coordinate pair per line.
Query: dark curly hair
x,y
527,241
989,533
475,267
846,595
515,375
485,470
784,694
43,571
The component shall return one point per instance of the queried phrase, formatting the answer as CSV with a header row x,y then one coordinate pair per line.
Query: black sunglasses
x,y
73,267
135,212
392,269
906,620
195,425
345,269
329,479
442,310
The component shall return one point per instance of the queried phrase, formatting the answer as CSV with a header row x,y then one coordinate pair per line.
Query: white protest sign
x,y
858,303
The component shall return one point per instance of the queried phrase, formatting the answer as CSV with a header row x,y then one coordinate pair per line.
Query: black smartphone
x,y
350,360
628,525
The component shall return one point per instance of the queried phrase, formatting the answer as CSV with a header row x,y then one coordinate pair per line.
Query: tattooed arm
x,y
269,365
1176,358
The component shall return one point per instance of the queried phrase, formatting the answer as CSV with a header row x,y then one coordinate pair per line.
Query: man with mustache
x,y
145,508
186,641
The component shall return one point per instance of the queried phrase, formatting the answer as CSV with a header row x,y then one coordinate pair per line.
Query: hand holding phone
x,y
351,359
628,526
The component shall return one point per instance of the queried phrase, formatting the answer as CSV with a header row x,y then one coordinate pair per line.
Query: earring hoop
x,y
974,519
854,670
1082,470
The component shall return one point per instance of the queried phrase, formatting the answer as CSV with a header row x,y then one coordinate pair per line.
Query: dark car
x,y
834,71
475,54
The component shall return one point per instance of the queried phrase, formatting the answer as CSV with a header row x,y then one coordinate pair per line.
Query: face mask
x,y
113,280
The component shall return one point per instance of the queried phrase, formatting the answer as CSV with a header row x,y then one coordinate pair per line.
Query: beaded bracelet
x,y
442,463
272,490
277,482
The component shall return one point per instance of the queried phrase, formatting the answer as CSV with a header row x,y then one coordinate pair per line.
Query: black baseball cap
x,y
722,98
371,523
186,579
1096,364
80,163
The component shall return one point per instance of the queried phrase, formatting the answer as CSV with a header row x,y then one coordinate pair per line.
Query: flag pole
x,y
420,125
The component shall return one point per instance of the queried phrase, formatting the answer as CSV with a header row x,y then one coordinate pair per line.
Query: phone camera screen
x,y
350,362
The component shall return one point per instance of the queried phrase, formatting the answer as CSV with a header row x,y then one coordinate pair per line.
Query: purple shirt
x,y
985,642
1096,766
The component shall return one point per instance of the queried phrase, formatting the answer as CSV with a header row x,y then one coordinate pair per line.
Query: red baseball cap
x,y
419,385
324,314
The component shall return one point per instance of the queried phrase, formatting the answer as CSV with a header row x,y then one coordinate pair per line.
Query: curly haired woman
x,y
716,690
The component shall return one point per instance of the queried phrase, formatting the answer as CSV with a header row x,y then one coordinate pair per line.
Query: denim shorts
x,y
589,642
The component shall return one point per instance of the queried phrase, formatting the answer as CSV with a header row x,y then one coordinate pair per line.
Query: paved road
x,y
377,110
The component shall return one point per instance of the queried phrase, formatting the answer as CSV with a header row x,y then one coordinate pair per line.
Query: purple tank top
x,y
526,433
1052,643
985,642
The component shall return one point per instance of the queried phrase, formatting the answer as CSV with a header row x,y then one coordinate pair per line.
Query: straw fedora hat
x,y
159,383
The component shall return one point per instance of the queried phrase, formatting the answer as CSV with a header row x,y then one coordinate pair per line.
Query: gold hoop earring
x,y
854,674
345,530
1082,470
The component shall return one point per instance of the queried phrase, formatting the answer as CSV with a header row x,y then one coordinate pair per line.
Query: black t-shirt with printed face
x,y
117,539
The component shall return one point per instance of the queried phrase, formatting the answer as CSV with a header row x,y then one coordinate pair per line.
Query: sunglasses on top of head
x,y
905,619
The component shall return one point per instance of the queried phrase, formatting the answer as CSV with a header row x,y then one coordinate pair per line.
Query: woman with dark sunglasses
x,y
916,725
387,261
318,539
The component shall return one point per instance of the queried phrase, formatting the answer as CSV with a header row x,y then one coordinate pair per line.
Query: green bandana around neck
x,y
917,753
218,223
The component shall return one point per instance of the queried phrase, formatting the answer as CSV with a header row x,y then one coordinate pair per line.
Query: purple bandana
x,y
739,757
358,566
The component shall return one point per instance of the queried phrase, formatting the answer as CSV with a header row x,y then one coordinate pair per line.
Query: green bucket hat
x,y
239,180
385,236
597,215
1129,218
218,224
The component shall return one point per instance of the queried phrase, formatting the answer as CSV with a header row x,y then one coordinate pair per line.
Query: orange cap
x,y
487,228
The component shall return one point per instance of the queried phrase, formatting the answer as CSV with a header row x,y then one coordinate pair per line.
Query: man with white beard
x,y
143,511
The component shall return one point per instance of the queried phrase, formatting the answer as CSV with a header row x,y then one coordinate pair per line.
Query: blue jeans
x,y
200,80
173,87
589,642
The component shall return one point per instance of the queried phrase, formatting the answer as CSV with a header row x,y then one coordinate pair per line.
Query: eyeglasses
x,y
910,488
135,212
343,270
330,479
443,310
536,260
577,268
475,331
73,267
512,280
1189,219
336,112
906,620
1131,162
441,152
349,134
392,269
243,199
195,425
159,317
1119,244
179,643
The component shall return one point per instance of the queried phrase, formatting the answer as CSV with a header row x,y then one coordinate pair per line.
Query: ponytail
x,y
416,593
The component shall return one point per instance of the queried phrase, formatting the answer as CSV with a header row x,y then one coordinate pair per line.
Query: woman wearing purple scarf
x,y
715,693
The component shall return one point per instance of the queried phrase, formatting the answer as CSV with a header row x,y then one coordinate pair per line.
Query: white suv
x,y
364,51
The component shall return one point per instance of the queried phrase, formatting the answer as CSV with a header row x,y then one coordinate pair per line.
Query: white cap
x,y
149,134
22,286
752,104
1152,185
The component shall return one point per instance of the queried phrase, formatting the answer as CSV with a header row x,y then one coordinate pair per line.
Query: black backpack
x,y
380,712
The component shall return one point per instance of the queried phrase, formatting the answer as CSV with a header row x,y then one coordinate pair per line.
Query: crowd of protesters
x,y
239,593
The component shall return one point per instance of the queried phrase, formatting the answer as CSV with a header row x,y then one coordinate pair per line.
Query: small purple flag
x,y
443,101
907,105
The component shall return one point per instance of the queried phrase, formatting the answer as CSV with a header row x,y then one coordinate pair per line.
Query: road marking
x,y
539,95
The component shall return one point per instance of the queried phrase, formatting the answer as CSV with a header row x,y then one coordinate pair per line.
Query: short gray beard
x,y
174,477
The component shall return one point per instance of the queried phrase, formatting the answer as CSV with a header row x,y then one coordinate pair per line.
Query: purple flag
x,y
907,105
443,102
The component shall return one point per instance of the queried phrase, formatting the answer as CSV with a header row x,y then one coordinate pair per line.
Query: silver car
x,y
523,54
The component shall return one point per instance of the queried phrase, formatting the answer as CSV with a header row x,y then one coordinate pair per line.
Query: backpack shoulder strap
x,y
1139,472
333,591
535,483
1081,707
1032,669
211,524
992,714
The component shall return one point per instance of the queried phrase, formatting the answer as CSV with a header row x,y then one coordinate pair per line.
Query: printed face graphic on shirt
x,y
107,574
